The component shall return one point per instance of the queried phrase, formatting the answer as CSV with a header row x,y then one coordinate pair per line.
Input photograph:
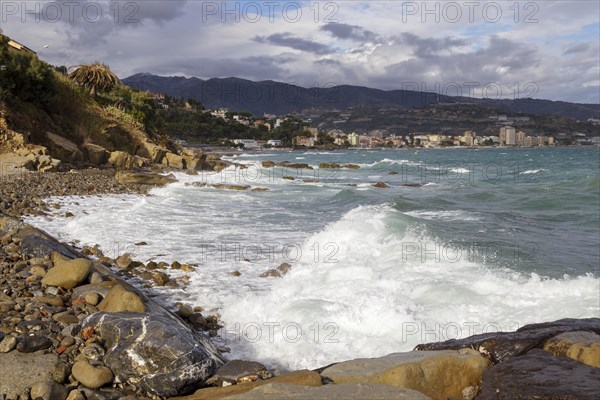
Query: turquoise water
x,y
462,241
532,210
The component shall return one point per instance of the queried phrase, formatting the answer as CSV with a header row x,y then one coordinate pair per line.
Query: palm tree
x,y
95,77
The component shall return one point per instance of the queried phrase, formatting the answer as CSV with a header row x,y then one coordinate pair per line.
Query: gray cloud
x,y
577,48
351,32
428,47
287,40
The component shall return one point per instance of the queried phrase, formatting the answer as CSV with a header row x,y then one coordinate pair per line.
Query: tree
x,y
95,77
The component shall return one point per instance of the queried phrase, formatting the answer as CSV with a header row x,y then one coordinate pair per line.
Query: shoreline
x,y
485,356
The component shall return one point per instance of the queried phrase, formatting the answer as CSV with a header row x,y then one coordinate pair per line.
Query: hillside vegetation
x,y
47,111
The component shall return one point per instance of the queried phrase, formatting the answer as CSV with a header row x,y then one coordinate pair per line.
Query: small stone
x,y
76,395
8,344
90,376
31,343
49,390
67,341
60,372
95,278
92,298
187,268
51,300
123,261
66,317
69,214
380,185
236,273
284,268
160,278
176,265
271,273
185,311
197,321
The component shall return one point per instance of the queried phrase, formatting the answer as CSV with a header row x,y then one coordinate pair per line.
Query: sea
x,y
460,242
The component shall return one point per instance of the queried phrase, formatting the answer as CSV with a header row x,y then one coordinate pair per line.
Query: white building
x,y
248,143
273,142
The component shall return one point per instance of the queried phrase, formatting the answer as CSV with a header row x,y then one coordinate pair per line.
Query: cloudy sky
x,y
509,49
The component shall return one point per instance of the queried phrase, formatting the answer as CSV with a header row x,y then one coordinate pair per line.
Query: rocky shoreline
x,y
72,328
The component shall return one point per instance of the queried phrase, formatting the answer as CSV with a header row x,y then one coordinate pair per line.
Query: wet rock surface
x,y
438,374
540,375
156,353
502,346
582,346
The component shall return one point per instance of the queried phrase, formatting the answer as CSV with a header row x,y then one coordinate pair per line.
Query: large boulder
x,y
91,376
582,346
438,374
345,391
151,151
63,149
124,160
96,154
195,163
67,273
144,178
118,300
15,162
156,353
501,346
173,160
540,375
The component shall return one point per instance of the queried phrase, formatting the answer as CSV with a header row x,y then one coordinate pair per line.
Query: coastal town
x,y
313,137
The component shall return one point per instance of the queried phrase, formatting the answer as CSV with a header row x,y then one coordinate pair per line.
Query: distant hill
x,y
282,98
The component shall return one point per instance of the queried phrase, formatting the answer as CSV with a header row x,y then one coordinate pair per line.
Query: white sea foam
x,y
376,300
460,170
445,215
532,171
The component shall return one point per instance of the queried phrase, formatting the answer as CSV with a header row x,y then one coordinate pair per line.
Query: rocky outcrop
x,y
173,160
124,160
439,374
328,166
582,346
151,151
224,186
382,185
345,391
501,346
63,149
95,154
540,375
144,178
139,353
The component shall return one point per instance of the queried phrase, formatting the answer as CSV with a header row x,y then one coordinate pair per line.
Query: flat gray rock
x,y
345,391
19,371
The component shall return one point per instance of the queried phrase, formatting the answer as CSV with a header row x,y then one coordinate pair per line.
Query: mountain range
x,y
282,98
